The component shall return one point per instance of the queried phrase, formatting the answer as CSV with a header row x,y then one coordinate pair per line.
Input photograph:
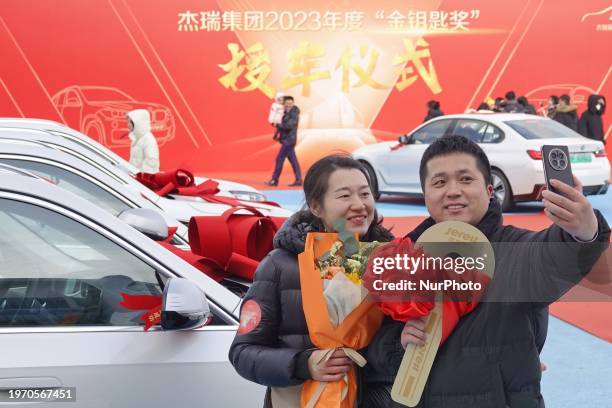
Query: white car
x,y
512,143
177,206
227,188
64,264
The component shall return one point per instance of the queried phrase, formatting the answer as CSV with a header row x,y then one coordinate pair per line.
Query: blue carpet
x,y
579,368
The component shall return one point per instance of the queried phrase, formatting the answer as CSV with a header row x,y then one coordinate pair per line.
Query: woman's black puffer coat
x,y
275,353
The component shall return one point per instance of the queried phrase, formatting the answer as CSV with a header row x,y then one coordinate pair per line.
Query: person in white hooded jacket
x,y
144,152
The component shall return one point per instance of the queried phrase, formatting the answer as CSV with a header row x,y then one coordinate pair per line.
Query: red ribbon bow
x,y
182,182
152,305
232,244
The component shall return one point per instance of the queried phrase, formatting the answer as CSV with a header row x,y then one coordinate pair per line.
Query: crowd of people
x,y
559,108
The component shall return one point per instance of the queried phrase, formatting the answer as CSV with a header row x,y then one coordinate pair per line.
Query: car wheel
x,y
501,190
373,180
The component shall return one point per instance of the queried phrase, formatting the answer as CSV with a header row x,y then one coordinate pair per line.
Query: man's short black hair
x,y
522,100
565,98
287,98
510,96
455,144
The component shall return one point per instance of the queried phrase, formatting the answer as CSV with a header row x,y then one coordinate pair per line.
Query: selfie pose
x,y
491,359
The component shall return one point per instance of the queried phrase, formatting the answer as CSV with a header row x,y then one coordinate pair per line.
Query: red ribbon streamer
x,y
152,305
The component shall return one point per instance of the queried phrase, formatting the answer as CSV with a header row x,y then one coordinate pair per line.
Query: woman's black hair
x,y
316,184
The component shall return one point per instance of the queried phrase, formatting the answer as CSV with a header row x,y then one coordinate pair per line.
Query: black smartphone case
x,y
557,165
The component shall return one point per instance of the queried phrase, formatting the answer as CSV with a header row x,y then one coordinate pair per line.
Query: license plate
x,y
581,158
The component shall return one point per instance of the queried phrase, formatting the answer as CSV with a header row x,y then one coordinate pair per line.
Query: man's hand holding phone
x,y
570,210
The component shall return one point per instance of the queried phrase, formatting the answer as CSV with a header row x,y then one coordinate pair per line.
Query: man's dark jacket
x,y
591,123
275,353
287,129
567,115
491,358
433,113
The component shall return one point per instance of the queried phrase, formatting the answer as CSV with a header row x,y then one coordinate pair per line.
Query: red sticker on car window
x,y
249,317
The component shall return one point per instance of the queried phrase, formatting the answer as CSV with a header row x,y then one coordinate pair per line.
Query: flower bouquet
x,y
338,311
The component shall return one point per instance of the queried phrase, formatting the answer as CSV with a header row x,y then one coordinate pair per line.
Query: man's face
x,y
288,104
455,190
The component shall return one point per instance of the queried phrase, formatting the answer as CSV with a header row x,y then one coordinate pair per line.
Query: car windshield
x,y
104,94
540,129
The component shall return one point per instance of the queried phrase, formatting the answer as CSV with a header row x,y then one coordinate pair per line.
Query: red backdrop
x,y
54,52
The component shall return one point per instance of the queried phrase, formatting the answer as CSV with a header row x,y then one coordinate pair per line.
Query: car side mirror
x,y
405,139
147,221
184,306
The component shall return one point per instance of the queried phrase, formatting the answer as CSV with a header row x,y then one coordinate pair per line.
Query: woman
x,y
272,346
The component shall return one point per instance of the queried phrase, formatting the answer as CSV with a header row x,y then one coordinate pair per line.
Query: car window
x,y
471,129
492,134
430,132
73,183
540,129
55,271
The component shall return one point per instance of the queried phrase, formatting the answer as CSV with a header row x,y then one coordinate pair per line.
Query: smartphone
x,y
557,165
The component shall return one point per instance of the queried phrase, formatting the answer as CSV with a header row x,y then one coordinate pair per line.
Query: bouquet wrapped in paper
x,y
338,311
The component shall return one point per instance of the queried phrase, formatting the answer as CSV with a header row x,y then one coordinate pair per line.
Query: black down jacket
x,y
591,123
491,358
276,352
287,129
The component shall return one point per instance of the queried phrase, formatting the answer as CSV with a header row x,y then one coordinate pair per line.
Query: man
x,y
491,359
287,135
566,113
433,110
591,123
512,105
144,152
527,107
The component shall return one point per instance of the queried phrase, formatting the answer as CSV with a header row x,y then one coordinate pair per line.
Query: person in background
x,y
433,110
277,110
144,152
591,122
484,108
512,106
287,136
551,109
500,105
527,107
566,113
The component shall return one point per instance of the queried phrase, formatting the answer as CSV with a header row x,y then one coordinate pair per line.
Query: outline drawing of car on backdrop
x,y
579,94
100,112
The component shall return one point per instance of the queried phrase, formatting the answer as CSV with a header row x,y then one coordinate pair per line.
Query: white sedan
x,y
177,206
64,264
227,188
512,143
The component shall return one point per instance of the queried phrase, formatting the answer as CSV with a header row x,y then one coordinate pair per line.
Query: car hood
x,y
204,208
376,148
225,185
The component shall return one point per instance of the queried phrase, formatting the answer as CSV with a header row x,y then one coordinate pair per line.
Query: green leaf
x,y
324,257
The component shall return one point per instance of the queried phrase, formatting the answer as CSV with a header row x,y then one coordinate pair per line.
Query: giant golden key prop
x,y
440,240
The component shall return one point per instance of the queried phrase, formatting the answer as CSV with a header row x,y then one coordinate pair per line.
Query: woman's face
x,y
348,196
